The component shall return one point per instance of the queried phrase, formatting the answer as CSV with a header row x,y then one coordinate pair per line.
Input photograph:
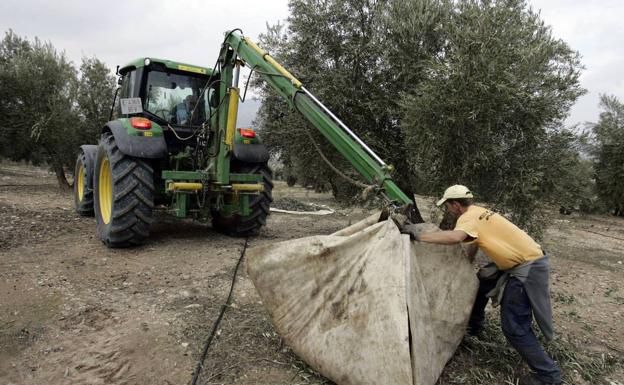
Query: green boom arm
x,y
346,142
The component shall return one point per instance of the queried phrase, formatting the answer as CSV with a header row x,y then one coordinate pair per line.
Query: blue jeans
x,y
516,319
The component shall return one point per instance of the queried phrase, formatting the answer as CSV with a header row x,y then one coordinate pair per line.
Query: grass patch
x,y
566,299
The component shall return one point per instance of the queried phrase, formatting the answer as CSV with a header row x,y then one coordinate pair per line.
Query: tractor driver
x,y
518,278
183,110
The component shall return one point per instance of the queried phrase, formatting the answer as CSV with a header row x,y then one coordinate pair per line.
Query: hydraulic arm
x,y
365,161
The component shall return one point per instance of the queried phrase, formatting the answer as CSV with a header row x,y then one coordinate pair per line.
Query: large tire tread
x,y
83,206
133,197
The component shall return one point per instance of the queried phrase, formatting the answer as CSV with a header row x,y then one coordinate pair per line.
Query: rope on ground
x,y
604,235
215,325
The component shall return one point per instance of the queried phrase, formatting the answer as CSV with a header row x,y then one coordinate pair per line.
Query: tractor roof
x,y
174,65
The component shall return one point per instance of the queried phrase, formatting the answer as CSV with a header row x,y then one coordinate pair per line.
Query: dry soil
x,y
75,312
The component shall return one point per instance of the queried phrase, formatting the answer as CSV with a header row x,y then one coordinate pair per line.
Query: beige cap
x,y
455,192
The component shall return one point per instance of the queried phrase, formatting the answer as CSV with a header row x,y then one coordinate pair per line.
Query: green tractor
x,y
174,146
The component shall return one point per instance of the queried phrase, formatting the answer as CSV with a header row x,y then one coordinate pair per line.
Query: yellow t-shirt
x,y
500,239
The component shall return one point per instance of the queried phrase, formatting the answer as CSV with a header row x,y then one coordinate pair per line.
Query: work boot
x,y
532,380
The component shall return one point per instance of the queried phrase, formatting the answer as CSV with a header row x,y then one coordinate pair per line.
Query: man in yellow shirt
x,y
522,275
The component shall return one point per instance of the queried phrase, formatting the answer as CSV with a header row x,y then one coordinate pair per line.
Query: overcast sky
x,y
118,31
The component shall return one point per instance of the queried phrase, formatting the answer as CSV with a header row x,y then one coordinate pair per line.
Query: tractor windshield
x,y
175,98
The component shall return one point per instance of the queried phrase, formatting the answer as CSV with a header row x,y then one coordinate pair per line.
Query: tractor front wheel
x,y
260,205
124,195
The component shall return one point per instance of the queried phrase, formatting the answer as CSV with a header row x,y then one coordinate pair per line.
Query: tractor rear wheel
x,y
260,205
83,181
124,195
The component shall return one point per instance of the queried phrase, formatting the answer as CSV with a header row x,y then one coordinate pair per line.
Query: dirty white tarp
x,y
347,303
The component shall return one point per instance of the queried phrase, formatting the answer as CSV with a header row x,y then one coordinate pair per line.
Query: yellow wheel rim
x,y
80,182
105,193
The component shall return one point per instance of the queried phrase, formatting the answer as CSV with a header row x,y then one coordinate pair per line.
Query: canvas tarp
x,y
366,305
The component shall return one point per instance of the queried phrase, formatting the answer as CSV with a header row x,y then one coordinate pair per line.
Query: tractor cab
x,y
176,96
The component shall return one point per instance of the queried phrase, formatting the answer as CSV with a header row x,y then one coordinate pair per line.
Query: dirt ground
x,y
74,312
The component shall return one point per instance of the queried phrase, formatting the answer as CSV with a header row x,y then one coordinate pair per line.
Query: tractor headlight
x,y
147,62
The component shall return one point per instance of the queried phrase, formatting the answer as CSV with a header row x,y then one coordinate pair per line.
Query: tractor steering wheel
x,y
163,113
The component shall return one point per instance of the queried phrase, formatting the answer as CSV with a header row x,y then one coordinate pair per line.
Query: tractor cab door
x,y
129,89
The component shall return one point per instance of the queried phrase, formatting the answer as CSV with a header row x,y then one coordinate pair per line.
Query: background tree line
x,y
471,91
48,107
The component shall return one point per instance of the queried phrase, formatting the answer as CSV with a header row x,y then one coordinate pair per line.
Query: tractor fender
x,y
137,146
251,153
89,150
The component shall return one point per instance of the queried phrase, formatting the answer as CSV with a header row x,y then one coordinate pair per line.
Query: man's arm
x,y
448,237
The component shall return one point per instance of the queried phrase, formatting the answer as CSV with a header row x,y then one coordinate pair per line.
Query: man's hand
x,y
413,231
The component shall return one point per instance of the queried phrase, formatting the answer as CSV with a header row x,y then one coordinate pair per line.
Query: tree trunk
x,y
61,178
413,214
403,177
404,182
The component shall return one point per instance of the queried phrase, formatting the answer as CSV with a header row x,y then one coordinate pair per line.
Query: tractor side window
x,y
127,89
127,85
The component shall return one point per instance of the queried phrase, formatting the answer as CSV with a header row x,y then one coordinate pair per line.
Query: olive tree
x,y
42,119
96,87
346,53
471,92
490,109
46,109
609,154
